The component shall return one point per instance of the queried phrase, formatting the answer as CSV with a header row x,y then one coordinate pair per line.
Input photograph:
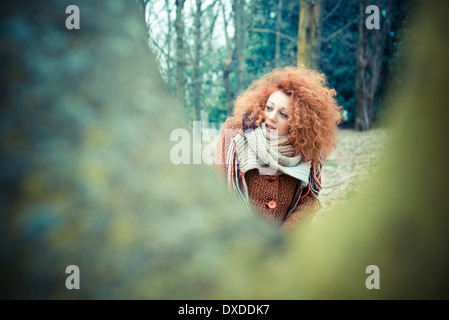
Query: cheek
x,y
285,126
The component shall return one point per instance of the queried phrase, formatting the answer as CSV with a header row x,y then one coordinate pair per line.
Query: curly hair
x,y
314,112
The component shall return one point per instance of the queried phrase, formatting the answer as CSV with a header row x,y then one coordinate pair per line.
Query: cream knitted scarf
x,y
270,154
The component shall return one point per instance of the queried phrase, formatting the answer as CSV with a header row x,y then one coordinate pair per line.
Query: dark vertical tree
x,y
203,28
180,53
197,76
171,80
277,50
236,48
240,30
370,54
338,52
229,57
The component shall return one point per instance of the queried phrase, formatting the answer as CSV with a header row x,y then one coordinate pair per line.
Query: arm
x,y
230,128
308,205
305,210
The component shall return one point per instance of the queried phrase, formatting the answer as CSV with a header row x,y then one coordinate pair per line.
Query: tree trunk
x,y
227,64
277,53
180,56
170,77
196,64
362,122
309,32
142,5
370,51
142,8
228,88
239,36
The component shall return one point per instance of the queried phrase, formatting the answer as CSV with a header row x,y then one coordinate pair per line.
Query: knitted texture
x,y
257,149
263,189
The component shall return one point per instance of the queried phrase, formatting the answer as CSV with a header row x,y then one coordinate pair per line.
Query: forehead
x,y
279,99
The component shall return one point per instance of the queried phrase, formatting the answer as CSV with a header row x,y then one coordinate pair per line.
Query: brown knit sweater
x,y
270,196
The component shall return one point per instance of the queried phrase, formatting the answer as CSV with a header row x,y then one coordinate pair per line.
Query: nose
x,y
272,117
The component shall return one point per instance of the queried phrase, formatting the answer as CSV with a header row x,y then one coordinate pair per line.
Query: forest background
x,y
86,180
210,51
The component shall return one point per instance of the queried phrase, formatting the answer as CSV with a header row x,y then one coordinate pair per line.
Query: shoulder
x,y
232,123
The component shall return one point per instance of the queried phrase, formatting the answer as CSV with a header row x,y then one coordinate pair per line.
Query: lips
x,y
269,127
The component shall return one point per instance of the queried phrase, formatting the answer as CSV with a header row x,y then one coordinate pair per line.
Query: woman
x,y
271,150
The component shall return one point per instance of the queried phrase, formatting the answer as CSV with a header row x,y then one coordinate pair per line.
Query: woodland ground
x,y
349,166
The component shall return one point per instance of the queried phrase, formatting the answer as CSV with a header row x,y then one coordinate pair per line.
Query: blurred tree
x,y
161,40
338,52
202,37
227,65
142,7
236,48
180,55
277,50
240,31
86,176
395,58
171,80
197,77
370,53
309,32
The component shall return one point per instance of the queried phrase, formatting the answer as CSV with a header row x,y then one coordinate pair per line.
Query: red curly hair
x,y
314,112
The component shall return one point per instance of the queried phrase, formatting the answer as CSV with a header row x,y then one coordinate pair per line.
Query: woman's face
x,y
277,113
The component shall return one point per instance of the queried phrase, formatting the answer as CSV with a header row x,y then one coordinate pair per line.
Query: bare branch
x,y
212,25
332,11
212,5
333,35
157,46
228,44
274,32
